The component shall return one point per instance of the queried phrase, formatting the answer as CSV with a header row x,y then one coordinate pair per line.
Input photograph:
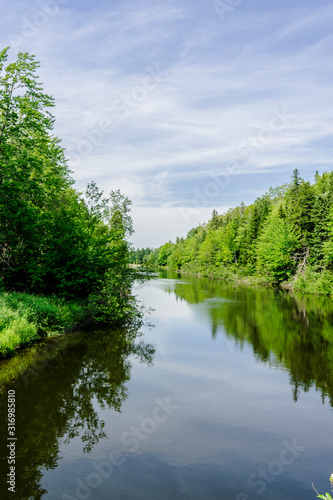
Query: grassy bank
x,y
310,281
25,318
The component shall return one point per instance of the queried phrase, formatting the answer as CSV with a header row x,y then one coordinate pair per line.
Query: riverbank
x,y
309,281
25,318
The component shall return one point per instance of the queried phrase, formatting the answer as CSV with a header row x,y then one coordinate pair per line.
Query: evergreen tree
x,y
281,212
300,200
215,221
275,248
284,233
320,230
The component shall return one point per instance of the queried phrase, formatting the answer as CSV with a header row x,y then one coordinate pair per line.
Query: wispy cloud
x,y
221,84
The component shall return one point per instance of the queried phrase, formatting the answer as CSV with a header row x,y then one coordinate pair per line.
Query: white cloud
x,y
219,86
156,225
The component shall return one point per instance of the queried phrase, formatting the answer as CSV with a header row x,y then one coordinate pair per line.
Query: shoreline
x,y
256,281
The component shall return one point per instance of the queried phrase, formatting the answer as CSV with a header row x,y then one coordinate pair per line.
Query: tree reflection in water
x,y
295,332
58,402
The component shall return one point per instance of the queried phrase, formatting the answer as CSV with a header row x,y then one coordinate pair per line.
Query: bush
x,y
313,281
25,318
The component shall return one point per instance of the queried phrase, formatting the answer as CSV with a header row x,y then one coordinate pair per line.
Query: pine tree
x,y
281,212
320,230
300,199
215,222
275,248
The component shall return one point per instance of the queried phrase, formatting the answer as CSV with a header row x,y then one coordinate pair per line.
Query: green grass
x,y
25,318
313,282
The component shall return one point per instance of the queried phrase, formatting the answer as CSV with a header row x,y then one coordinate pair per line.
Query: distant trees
x,y
139,256
285,233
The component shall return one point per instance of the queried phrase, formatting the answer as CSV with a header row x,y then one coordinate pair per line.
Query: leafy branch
x,y
327,496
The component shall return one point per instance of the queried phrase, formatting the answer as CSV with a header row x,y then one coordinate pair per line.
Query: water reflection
x,y
295,332
58,400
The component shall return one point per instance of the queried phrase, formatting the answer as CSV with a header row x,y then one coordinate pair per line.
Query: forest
x,y
64,255
284,238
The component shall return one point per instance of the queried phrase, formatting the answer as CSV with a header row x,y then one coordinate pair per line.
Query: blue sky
x,y
184,106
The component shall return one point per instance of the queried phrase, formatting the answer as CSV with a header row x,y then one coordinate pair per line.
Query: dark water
x,y
229,396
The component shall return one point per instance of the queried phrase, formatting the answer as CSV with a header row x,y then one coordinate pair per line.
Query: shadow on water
x,y
290,331
59,386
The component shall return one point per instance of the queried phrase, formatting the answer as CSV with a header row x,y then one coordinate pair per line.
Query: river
x,y
227,395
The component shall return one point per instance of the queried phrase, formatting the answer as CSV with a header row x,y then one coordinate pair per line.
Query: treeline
x,y
53,239
140,256
285,236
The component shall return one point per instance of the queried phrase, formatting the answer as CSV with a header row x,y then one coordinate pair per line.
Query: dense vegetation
x,y
53,240
140,256
285,236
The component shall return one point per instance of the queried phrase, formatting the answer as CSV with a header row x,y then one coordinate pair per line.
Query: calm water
x,y
229,396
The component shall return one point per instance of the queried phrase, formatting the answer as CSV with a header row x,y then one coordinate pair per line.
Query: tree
x,y
300,200
210,249
275,248
328,245
164,253
33,167
215,222
52,240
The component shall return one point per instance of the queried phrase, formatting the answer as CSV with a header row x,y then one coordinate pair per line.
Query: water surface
x,y
229,396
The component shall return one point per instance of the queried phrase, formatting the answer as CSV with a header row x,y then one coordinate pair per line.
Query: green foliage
x,y
300,200
209,249
327,496
33,169
312,281
286,234
276,247
328,243
25,318
139,256
52,239
164,254
216,221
